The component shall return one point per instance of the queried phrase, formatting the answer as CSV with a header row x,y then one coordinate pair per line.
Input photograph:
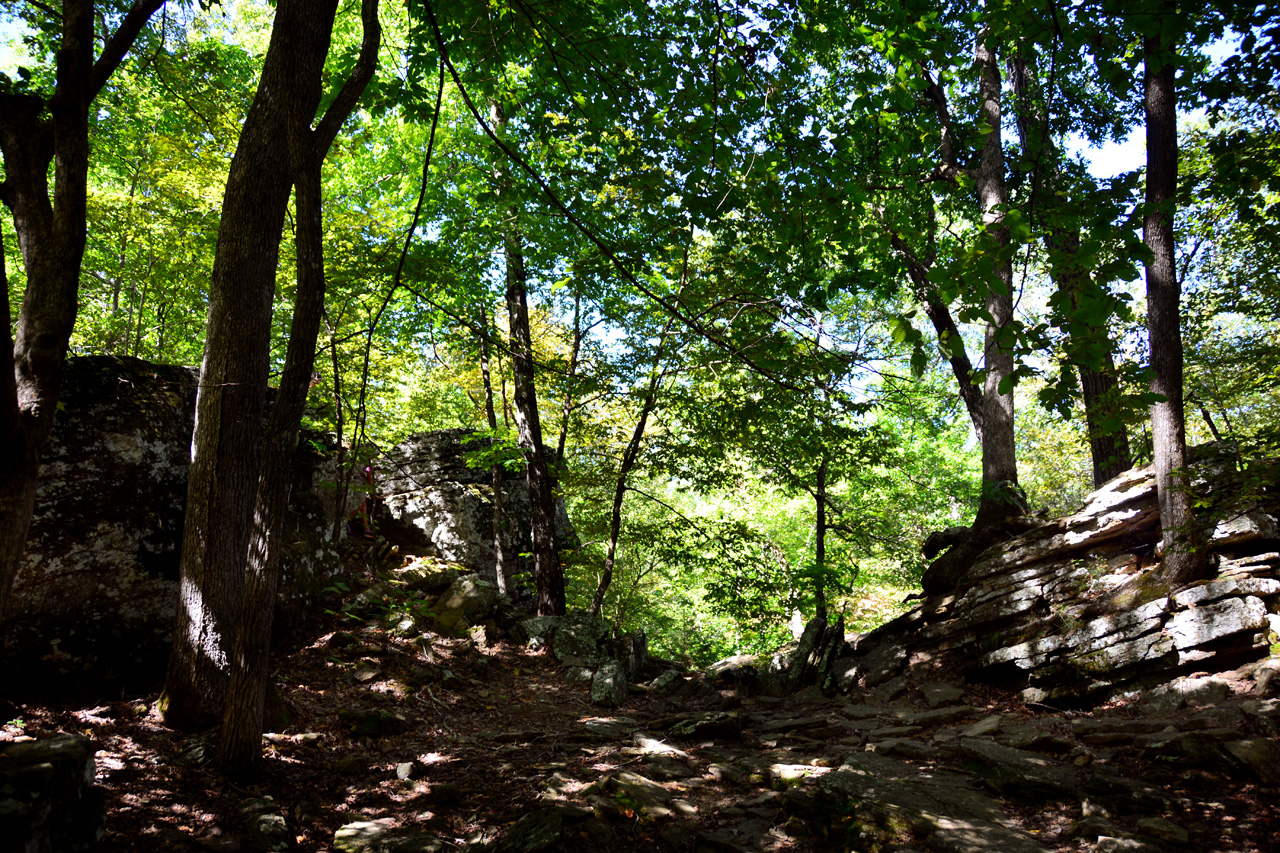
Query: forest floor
x,y
458,742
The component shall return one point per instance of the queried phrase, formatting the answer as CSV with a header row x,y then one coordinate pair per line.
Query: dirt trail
x,y
437,744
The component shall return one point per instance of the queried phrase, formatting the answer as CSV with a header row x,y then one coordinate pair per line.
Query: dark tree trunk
x,y
1108,444
566,407
240,747
999,456
35,133
629,457
240,751
820,543
227,445
501,561
548,574
944,327
1184,561
1108,436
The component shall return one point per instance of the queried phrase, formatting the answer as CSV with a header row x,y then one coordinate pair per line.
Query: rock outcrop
x,y
434,504
94,598
1030,612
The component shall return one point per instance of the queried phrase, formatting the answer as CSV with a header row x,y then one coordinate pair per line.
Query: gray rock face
x,y
1021,614
435,505
94,599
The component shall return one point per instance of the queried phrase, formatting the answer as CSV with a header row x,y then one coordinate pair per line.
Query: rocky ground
x,y
441,743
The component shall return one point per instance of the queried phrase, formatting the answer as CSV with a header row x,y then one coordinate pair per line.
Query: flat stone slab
x,y
943,810
1262,755
648,797
382,836
1016,771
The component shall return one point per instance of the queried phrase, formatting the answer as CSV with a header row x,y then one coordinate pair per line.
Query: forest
x,y
766,292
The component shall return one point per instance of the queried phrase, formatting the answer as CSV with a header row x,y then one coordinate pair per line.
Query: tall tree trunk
x,y
1108,438
1184,561
227,445
240,751
629,458
501,562
547,572
50,228
999,456
240,747
820,543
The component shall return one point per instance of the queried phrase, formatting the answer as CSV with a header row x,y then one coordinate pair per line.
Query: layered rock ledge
x,y
1026,612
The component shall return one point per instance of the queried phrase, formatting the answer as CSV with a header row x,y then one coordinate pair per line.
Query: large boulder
x,y
94,599
434,503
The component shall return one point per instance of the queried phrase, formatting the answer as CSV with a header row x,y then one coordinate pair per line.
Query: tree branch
x,y
120,43
354,87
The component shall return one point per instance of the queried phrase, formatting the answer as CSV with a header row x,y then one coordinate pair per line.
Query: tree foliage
x,y
779,261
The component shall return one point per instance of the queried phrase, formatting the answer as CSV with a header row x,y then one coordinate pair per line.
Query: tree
x,y
240,747
1085,306
982,272
1184,559
630,456
999,456
230,405
37,131
548,573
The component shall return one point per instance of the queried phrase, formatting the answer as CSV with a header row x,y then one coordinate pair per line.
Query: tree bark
x,y
547,572
1183,560
566,407
1108,445
999,456
501,560
240,750
240,747
227,445
820,543
50,228
948,334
